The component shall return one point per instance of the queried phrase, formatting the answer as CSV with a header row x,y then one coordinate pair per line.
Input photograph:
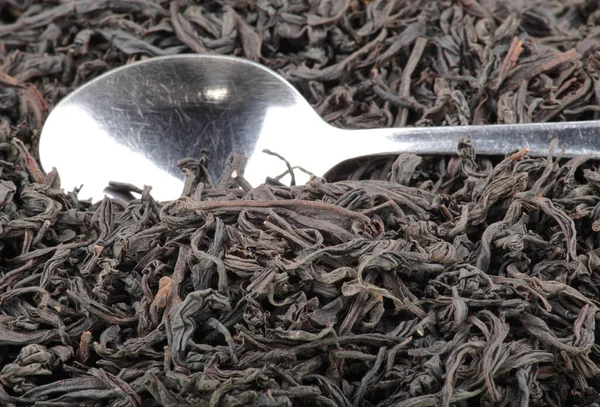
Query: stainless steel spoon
x,y
134,123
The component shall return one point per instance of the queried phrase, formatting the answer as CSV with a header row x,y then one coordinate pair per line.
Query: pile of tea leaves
x,y
418,281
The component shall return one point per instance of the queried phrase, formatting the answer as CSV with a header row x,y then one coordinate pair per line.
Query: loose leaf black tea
x,y
408,281
452,282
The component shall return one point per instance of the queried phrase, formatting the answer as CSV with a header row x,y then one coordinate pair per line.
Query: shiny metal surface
x,y
134,123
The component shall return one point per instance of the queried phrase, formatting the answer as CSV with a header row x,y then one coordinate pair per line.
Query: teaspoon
x,y
133,124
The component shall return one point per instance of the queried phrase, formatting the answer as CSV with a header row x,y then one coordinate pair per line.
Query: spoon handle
x,y
578,137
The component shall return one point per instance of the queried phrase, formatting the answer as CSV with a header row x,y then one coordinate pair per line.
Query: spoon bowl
x,y
134,123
